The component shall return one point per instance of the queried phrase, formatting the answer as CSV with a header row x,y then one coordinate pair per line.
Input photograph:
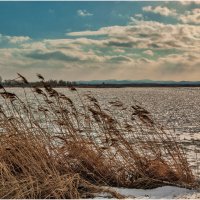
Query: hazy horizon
x,y
79,41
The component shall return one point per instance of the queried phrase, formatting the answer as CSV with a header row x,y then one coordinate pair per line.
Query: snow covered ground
x,y
165,192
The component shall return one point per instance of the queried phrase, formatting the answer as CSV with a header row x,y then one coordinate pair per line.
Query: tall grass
x,y
50,147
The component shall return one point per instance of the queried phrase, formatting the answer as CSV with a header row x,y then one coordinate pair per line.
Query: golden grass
x,y
52,148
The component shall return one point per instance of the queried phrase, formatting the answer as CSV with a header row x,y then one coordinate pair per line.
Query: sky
x,y
100,40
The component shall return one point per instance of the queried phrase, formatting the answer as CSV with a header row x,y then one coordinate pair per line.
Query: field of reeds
x,y
52,148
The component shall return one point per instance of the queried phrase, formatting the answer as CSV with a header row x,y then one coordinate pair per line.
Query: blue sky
x,y
100,40
53,19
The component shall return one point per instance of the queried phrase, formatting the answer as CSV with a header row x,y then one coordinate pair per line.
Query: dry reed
x,y
50,148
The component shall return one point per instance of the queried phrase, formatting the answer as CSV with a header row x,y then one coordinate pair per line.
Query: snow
x,y
165,192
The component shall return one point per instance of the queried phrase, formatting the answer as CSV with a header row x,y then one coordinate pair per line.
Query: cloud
x,y
87,65
138,16
18,39
119,50
145,35
141,49
191,17
148,52
165,36
53,55
139,34
101,31
119,59
161,10
179,66
118,43
84,13
183,2
13,39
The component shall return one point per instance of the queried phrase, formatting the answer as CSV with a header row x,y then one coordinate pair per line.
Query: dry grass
x,y
50,148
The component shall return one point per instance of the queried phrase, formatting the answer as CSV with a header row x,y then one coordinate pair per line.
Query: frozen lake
x,y
177,109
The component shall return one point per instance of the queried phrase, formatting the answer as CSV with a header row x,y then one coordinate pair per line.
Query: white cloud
x,y
14,39
183,2
123,53
138,16
84,13
144,35
191,17
119,59
149,52
119,50
165,11
18,39
101,31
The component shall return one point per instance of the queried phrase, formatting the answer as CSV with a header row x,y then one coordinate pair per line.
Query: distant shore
x,y
112,86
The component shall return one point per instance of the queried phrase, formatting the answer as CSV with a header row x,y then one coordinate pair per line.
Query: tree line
x,y
52,83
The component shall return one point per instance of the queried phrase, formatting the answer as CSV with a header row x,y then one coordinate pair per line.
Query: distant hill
x,y
136,82
105,83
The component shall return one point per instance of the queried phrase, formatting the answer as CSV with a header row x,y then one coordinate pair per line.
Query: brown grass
x,y
52,148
